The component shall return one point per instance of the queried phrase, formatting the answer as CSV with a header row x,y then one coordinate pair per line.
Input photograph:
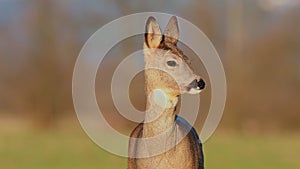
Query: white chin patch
x,y
194,91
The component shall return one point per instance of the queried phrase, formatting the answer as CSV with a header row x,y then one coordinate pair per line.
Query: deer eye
x,y
171,63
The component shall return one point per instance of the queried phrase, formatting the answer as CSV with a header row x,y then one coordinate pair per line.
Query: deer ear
x,y
172,31
153,34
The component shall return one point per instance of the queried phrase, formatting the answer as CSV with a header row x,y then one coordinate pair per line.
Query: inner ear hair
x,y
153,35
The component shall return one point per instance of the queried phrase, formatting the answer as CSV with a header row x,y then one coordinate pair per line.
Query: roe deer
x,y
168,74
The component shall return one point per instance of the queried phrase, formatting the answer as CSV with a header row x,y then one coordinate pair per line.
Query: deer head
x,y
167,68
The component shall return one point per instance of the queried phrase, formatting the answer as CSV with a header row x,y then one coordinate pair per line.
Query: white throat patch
x,y
161,98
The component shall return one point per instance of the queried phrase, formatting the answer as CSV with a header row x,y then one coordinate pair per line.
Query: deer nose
x,y
201,84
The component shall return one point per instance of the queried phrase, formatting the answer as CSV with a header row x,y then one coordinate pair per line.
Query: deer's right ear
x,y
153,34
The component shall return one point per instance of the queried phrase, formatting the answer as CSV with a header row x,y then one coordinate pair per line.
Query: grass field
x,y
74,150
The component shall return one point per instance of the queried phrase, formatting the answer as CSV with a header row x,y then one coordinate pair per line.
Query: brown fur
x,y
184,155
187,154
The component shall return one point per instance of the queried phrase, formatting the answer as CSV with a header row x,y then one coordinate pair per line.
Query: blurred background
x,y
258,42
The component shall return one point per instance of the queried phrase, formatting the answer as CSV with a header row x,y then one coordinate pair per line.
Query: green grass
x,y
74,150
253,152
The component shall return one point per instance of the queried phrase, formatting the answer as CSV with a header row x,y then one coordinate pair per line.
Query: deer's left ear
x,y
172,31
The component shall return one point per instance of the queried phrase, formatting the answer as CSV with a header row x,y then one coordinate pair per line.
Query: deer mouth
x,y
196,86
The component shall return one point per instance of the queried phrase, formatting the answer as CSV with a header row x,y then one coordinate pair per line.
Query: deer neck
x,y
160,109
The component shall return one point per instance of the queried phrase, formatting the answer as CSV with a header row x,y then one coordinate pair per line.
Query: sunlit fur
x,y
164,84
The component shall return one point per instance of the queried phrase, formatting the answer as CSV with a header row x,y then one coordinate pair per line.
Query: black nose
x,y
201,84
